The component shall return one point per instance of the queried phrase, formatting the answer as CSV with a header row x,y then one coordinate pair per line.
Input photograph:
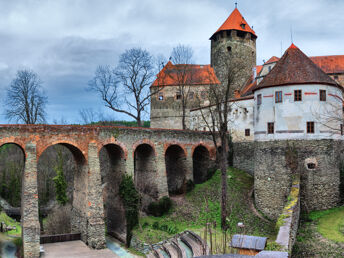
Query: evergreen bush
x,y
160,207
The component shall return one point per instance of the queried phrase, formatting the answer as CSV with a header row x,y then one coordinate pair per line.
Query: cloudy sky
x,y
64,40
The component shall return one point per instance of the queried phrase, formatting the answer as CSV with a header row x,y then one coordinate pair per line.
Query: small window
x,y
229,49
322,95
342,129
161,96
278,96
259,99
191,95
247,132
297,95
310,127
271,128
242,25
178,95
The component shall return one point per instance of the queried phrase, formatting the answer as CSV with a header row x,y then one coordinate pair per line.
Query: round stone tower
x,y
233,51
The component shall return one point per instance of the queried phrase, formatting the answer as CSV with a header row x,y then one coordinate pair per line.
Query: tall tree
x,y
26,100
126,88
182,58
217,119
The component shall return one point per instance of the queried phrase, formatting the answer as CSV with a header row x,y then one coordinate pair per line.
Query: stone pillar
x,y
130,163
95,211
29,204
189,164
161,171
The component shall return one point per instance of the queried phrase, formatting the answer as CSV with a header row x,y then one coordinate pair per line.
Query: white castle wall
x,y
290,117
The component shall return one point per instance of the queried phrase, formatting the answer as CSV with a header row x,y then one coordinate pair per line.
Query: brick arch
x,y
82,151
20,144
209,148
168,144
144,141
115,142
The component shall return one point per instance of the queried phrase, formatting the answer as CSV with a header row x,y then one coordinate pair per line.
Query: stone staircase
x,y
173,249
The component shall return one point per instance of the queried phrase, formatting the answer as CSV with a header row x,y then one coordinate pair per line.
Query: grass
x,y
330,223
11,222
202,205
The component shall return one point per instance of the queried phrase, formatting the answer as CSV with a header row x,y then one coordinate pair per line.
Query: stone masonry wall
x,y
319,185
243,156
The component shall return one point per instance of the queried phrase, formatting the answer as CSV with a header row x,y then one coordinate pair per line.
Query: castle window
x,y
278,96
247,132
178,95
229,49
297,95
191,95
310,127
242,25
161,96
322,95
271,128
259,99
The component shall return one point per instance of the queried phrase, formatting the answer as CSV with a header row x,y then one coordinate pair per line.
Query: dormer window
x,y
242,25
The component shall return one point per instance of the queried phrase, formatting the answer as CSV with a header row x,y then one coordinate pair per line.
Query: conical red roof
x,y
235,22
295,67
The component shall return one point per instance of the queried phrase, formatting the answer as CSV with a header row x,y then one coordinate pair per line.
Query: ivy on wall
x,y
131,200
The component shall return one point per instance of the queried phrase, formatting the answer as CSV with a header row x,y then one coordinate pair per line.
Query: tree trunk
x,y
183,118
223,166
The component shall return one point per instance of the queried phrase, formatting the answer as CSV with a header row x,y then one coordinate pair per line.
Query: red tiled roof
x,y
235,22
259,69
272,60
330,64
172,75
295,67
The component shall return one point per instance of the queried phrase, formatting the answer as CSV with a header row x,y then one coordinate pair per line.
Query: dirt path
x,y
252,208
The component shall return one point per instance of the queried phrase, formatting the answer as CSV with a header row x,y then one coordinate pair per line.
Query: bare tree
x,y
126,88
181,57
26,100
216,117
88,115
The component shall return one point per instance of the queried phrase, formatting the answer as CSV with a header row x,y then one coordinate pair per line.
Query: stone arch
x,y
145,173
75,170
114,142
176,168
200,159
12,163
112,167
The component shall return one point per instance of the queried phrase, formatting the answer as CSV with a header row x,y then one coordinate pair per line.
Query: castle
x,y
290,102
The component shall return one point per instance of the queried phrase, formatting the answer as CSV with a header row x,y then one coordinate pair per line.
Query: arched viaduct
x,y
160,160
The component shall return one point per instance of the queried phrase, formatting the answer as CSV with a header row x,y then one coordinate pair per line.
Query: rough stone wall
x,y
201,164
167,113
319,186
243,156
238,52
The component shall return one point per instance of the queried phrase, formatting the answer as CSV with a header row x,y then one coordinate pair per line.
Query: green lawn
x,y
11,222
202,205
330,223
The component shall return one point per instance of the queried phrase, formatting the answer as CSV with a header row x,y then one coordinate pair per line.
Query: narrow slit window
x,y
259,99
297,95
271,128
322,95
278,96
310,127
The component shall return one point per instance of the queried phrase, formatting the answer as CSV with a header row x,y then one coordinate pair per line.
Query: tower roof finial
x,y
236,4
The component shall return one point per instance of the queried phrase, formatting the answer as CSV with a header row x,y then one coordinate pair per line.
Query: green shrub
x,y
160,207
156,225
273,246
145,225
131,199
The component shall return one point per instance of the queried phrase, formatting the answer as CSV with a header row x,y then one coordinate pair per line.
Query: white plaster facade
x,y
290,117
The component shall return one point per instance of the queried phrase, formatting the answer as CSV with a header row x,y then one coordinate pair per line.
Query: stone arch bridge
x,y
160,160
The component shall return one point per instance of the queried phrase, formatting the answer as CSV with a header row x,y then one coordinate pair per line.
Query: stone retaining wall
x,y
243,156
